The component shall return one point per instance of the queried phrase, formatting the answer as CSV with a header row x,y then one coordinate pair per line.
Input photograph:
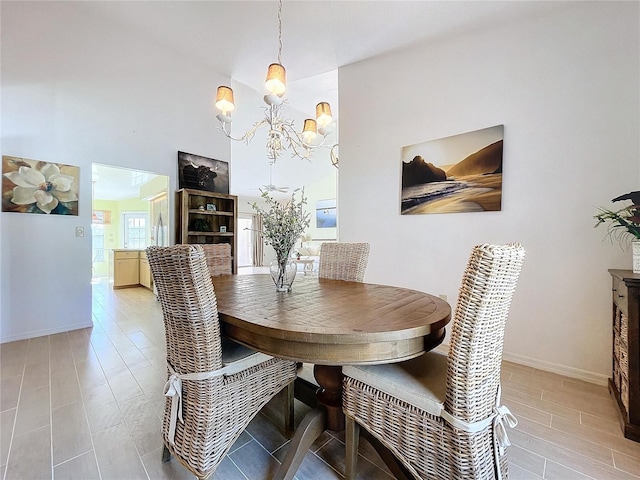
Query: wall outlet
x,y
79,231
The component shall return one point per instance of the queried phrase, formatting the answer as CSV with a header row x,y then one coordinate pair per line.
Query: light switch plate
x,y
79,231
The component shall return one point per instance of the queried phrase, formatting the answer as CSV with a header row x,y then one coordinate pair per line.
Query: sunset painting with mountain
x,y
461,173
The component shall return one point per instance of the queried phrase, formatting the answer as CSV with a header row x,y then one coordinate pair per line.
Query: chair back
x,y
475,351
218,257
189,307
343,261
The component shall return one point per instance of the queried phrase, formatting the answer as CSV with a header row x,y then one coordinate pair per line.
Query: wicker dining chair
x,y
343,261
215,386
440,415
218,257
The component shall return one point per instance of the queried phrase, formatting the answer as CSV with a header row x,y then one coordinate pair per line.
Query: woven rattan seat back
x,y
475,349
343,261
185,291
218,257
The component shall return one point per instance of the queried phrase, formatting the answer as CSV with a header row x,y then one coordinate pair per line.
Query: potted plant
x,y
624,224
283,223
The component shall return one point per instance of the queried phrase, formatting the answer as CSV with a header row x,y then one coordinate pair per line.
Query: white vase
x,y
635,246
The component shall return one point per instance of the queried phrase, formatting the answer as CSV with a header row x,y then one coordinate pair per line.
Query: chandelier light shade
x,y
276,81
323,114
282,134
309,131
224,100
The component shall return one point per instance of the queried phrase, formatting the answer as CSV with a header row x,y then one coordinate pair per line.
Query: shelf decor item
x,y
282,225
624,225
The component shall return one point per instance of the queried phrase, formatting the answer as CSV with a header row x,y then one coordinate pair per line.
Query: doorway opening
x,y
130,210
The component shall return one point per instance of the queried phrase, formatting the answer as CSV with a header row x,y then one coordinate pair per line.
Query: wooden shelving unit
x,y
207,217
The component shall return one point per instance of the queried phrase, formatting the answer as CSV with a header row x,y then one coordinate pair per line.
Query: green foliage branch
x,y
622,225
283,223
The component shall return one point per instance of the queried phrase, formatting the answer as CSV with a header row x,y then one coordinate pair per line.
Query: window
x,y
99,219
245,244
97,242
135,230
138,178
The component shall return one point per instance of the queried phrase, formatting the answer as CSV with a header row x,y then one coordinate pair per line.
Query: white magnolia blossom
x,y
45,187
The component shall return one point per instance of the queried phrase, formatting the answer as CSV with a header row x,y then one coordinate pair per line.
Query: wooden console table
x,y
625,382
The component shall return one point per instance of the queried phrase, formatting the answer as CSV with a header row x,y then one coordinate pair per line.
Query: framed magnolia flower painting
x,y
34,186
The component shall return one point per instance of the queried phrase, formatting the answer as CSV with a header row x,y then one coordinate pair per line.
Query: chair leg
x,y
166,454
397,468
352,438
289,409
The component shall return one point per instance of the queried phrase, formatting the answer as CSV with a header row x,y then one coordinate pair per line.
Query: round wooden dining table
x,y
329,323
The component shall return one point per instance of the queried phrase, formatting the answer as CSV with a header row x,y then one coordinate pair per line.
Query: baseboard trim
x,y
570,372
43,332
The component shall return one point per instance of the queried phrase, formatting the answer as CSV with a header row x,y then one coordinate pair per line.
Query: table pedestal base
x,y
328,416
312,426
329,394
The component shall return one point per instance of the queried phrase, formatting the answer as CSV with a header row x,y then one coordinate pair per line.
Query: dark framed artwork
x,y
34,186
326,213
461,173
201,173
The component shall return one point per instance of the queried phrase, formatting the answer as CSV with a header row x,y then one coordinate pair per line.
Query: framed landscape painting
x,y
461,173
34,186
326,213
202,173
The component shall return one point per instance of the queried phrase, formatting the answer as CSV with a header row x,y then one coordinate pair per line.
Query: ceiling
x,y
116,183
239,38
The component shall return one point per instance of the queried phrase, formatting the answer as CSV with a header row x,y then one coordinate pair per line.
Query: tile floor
x,y
86,405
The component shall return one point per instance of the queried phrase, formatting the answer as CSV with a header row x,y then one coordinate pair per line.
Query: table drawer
x,y
122,255
621,295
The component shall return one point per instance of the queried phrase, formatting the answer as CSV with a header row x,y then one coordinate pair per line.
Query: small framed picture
x,y
211,207
223,229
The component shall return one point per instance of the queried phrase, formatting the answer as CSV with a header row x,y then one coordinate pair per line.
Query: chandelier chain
x,y
280,32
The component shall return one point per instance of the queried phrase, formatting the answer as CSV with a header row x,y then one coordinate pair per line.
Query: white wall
x,y
77,90
566,88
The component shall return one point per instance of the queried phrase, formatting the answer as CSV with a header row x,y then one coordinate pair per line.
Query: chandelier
x,y
282,134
